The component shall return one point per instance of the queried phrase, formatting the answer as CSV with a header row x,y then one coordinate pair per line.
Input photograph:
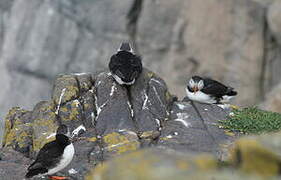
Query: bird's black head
x,y
125,64
63,135
195,84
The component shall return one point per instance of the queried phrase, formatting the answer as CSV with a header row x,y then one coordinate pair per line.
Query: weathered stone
x,y
44,124
119,143
186,131
118,120
88,114
273,100
259,155
113,111
13,165
150,101
71,114
85,82
65,89
147,164
18,131
274,20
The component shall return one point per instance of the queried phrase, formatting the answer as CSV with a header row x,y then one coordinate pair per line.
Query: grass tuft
x,y
252,120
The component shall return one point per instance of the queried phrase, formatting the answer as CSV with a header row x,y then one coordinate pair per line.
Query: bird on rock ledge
x,y
125,66
53,156
206,90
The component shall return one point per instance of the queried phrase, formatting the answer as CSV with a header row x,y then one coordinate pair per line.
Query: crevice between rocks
x,y
262,80
132,21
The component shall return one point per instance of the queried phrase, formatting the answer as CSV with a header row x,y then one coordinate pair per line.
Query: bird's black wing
x,y
48,156
214,88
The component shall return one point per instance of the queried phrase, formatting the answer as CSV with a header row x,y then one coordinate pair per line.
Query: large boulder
x,y
110,119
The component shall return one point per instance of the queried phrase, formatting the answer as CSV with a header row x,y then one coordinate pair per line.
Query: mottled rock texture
x,y
235,41
118,119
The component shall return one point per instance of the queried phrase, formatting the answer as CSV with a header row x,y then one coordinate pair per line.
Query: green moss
x,y
252,121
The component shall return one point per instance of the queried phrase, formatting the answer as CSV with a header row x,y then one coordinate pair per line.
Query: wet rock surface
x,y
108,120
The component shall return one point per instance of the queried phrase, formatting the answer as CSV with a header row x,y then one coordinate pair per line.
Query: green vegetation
x,y
252,121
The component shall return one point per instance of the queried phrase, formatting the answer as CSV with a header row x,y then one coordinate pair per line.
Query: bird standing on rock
x,y
125,66
53,156
206,90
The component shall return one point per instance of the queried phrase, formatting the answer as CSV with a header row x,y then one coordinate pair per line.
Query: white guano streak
x,y
58,107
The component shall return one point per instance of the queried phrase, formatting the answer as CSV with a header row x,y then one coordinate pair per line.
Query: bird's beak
x,y
195,89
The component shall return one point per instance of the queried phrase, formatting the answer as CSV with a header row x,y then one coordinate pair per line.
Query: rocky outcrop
x,y
43,38
109,120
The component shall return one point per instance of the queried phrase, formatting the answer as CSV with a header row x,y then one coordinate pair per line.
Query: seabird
x,y
125,66
206,90
53,156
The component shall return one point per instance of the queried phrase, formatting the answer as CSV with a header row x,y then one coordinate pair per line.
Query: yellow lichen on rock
x,y
152,164
66,89
119,143
251,156
17,133
205,162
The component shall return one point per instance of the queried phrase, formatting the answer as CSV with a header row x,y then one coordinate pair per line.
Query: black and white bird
x,y
53,156
206,90
125,66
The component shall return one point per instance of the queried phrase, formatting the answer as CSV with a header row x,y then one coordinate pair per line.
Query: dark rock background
x,y
235,41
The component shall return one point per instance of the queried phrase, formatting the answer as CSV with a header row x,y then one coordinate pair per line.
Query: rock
x,y
274,20
273,100
113,110
151,101
115,120
187,131
18,132
13,165
259,155
44,124
147,164
65,89
153,164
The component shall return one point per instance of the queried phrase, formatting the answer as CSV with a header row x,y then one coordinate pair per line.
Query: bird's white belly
x,y
119,80
200,97
67,157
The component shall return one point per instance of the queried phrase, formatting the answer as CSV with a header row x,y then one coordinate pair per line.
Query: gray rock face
x,y
9,165
227,40
194,127
116,119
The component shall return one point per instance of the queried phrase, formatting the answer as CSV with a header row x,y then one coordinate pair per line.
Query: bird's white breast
x,y
67,157
119,80
200,97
